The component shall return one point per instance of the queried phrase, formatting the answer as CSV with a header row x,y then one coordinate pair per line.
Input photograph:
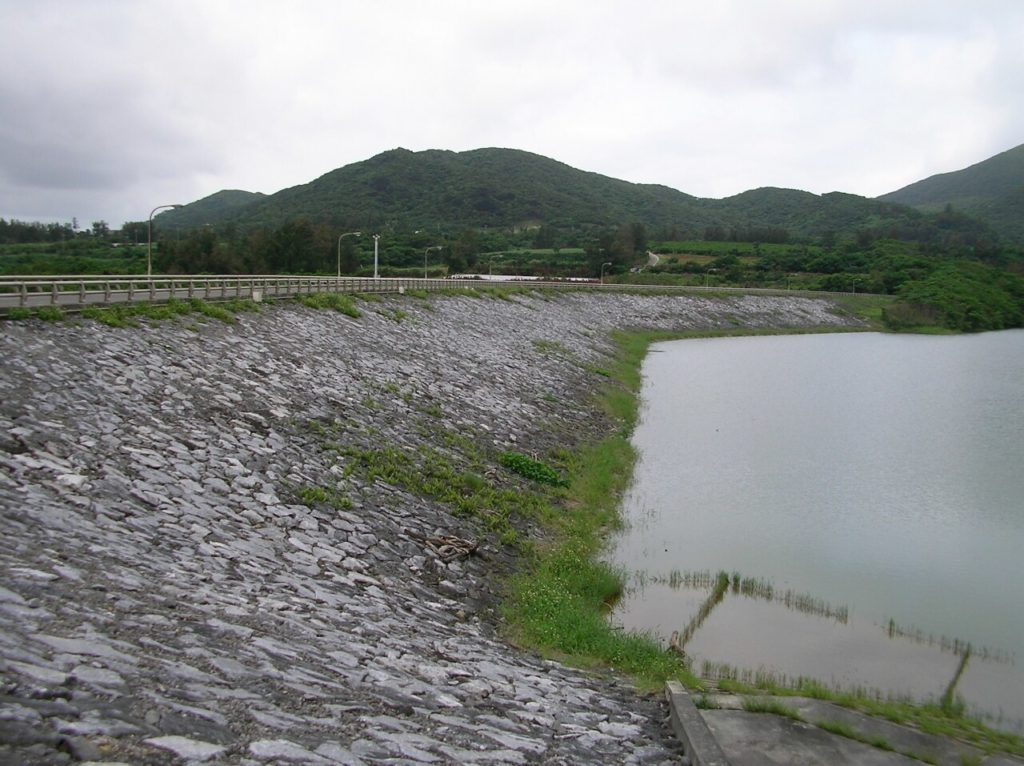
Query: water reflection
x,y
752,632
871,485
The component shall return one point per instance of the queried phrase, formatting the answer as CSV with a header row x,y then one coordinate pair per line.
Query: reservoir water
x,y
868,492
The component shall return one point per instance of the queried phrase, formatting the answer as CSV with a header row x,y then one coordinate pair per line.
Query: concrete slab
x,y
753,739
760,739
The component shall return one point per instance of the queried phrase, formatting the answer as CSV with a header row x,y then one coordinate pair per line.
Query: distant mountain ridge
x,y
967,188
509,188
215,209
991,190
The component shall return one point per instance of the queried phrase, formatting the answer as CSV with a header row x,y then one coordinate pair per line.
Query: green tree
x,y
465,250
969,296
544,237
135,231
349,256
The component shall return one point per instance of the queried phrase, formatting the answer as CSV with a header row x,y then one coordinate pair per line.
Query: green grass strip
x,y
340,302
558,603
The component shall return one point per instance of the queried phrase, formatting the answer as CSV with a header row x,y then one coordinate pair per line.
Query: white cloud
x,y
112,107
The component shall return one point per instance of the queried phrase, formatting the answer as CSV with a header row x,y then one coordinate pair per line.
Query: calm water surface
x,y
879,476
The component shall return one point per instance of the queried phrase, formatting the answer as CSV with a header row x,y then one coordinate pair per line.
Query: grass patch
x,y
421,294
558,603
845,730
704,702
506,293
434,473
929,718
212,310
19,313
339,302
531,469
369,297
125,315
759,704
313,495
870,308
456,292
550,347
50,313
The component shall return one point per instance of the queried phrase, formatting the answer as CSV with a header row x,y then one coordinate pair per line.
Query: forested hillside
x,y
502,211
966,189
403,191
991,191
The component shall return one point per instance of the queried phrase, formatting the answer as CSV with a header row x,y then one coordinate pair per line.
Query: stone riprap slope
x,y
167,597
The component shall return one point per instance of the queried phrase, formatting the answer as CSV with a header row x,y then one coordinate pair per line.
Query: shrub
x,y
50,313
336,301
531,469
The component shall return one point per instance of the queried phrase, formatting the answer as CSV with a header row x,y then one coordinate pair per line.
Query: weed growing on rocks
x,y
125,315
19,313
558,603
50,313
550,347
336,301
312,495
531,469
431,473
395,316
463,292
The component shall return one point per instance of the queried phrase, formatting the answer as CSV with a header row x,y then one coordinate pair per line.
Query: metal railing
x,y
77,292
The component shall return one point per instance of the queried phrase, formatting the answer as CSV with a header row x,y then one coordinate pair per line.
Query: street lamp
x,y
149,248
346,234
376,239
707,276
606,263
432,247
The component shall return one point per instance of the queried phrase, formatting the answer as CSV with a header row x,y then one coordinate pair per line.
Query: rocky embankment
x,y
167,596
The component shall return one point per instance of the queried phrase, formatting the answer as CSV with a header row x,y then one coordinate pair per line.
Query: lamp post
x,y
707,276
606,263
346,234
432,247
376,239
149,247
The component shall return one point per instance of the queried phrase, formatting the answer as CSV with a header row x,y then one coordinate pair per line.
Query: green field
x,y
76,257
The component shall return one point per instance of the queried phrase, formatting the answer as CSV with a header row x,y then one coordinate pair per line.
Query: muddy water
x,y
872,485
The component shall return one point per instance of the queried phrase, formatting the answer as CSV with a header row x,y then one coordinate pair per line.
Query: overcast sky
x,y
108,109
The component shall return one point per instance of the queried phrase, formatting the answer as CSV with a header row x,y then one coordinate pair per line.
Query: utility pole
x,y
376,239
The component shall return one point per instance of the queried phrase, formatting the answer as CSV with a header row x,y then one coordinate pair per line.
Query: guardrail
x,y
77,292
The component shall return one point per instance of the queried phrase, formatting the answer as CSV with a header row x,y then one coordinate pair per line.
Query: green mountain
x,y
992,190
448,191
969,188
1005,214
216,209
